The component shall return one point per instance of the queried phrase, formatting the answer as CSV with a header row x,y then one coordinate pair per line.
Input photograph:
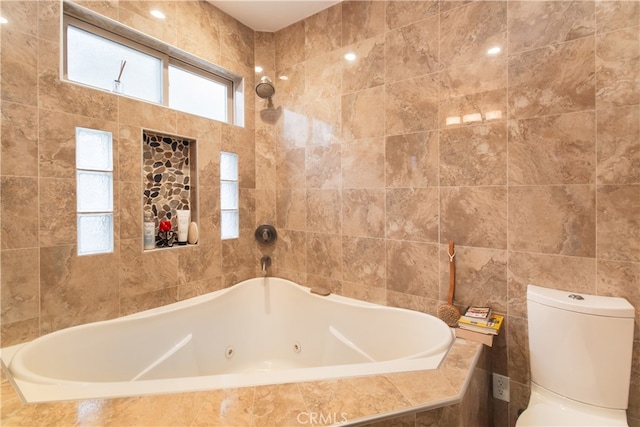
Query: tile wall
x,y
528,159
354,162
45,285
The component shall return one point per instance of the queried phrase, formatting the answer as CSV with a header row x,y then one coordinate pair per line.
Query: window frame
x,y
178,59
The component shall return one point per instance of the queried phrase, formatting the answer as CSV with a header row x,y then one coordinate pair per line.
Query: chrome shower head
x,y
265,88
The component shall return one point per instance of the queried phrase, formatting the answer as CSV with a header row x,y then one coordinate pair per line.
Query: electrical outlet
x,y
501,387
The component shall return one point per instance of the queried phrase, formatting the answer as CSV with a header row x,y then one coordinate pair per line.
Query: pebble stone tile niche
x,y
169,176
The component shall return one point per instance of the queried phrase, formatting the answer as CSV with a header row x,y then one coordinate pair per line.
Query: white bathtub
x,y
261,331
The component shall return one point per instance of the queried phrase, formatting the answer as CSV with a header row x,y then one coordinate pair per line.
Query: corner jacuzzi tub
x,y
261,331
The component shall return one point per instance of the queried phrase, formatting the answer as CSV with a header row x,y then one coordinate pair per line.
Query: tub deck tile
x,y
359,399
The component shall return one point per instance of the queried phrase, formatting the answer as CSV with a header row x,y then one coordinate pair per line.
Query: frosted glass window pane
x,y
196,94
228,195
228,166
94,149
230,224
96,61
95,234
94,191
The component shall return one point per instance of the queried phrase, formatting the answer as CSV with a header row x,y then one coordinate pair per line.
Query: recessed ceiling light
x,y
258,69
350,56
157,14
494,50
3,20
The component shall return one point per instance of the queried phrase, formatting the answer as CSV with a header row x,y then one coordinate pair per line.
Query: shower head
x,y
265,88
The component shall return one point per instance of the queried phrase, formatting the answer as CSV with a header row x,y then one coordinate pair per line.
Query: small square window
x,y
95,233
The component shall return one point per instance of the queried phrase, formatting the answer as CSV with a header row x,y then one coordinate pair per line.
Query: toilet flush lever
x,y
576,297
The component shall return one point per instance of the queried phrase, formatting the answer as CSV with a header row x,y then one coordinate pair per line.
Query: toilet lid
x,y
547,409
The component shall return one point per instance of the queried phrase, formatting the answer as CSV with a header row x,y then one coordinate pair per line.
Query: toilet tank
x,y
581,348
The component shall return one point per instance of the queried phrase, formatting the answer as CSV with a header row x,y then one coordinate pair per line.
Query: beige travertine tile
x,y
536,24
412,268
323,166
412,214
199,287
353,398
265,45
142,272
518,349
575,274
412,51
19,212
278,405
400,13
480,275
552,80
486,75
553,219
129,209
20,284
363,262
467,32
19,65
85,283
236,45
618,222
190,265
613,15
290,252
325,123
323,211
620,279
135,14
473,109
361,113
323,78
412,105
155,117
412,302
240,254
19,140
289,84
226,407
411,160
474,216
617,65
203,37
290,165
291,209
247,208
129,149
618,145
475,155
553,149
323,32
362,20
435,385
368,69
55,196
23,17
363,163
324,255
290,45
363,212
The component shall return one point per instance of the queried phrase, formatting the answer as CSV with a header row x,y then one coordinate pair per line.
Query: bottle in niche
x,y
149,231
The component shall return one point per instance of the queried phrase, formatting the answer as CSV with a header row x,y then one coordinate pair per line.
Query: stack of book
x,y
482,324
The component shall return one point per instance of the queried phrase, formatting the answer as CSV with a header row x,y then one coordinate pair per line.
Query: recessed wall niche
x,y
169,176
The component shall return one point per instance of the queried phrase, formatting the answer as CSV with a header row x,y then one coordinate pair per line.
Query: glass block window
x,y
230,215
94,191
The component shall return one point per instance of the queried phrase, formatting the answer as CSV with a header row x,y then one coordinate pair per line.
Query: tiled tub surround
x,y
167,174
452,395
548,191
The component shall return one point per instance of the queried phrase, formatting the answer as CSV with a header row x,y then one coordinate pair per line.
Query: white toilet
x,y
580,350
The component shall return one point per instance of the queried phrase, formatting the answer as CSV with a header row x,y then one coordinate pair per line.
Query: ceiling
x,y
269,15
